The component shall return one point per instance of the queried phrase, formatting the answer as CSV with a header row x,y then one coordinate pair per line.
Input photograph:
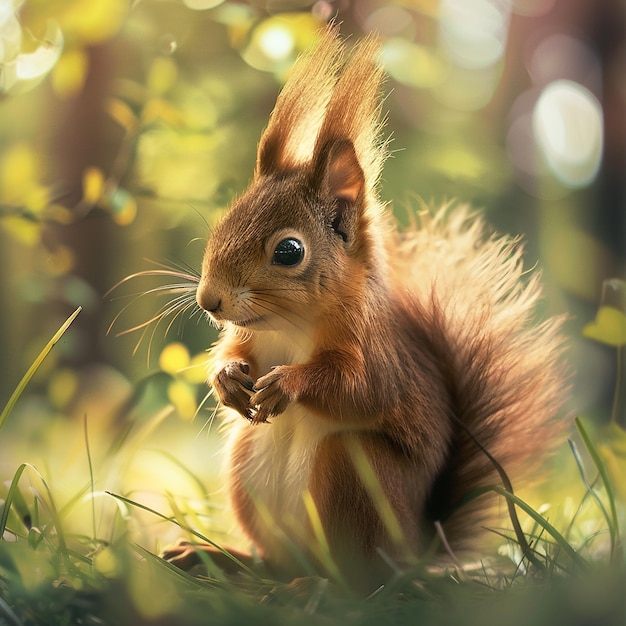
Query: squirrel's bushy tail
x,y
506,380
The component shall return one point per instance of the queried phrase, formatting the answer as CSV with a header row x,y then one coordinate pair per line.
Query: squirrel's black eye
x,y
288,252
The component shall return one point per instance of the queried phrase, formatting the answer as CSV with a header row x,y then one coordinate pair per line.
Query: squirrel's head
x,y
305,233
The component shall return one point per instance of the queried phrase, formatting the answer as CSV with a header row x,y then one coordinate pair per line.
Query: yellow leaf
x,y
60,214
609,327
93,21
128,213
36,198
93,185
162,75
19,172
174,357
122,114
68,75
157,109
24,231
123,206
182,396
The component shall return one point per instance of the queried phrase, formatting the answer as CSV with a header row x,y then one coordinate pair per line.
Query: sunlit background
x,y
127,127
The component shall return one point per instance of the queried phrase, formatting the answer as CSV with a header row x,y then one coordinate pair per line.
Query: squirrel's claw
x,y
270,398
234,387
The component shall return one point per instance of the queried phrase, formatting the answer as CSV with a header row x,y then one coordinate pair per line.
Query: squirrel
x,y
369,377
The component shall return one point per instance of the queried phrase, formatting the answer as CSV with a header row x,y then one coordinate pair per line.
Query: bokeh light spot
x,y
10,33
473,33
567,124
202,5
276,42
412,64
389,20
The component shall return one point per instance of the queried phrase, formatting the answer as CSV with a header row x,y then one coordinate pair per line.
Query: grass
x,y
81,557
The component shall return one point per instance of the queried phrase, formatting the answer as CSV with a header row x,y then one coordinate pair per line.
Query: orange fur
x,y
363,365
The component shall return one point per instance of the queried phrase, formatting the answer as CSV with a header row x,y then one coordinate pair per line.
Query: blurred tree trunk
x,y
608,35
87,137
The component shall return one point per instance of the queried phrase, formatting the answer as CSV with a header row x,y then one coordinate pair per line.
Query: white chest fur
x,y
279,455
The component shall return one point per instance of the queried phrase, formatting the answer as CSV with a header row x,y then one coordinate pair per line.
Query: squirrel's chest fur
x,y
269,465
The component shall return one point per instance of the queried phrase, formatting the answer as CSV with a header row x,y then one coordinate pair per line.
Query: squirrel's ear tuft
x,y
352,124
289,139
338,172
329,99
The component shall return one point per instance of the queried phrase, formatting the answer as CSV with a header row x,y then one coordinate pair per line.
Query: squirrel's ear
x,y
269,155
338,172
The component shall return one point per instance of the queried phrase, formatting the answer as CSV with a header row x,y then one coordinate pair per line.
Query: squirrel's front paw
x,y
271,397
234,386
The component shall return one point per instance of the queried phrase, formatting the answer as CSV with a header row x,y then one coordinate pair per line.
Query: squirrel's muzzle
x,y
212,303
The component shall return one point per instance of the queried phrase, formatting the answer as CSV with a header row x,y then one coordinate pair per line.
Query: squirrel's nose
x,y
209,302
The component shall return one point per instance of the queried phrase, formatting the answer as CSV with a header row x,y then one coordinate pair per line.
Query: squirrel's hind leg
x,y
368,502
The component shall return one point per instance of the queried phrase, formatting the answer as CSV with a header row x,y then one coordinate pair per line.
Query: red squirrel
x,y
364,371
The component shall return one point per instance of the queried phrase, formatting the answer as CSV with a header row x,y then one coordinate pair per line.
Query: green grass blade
x,y
15,396
200,584
545,524
4,515
195,533
14,495
91,478
9,615
591,491
606,482
49,506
